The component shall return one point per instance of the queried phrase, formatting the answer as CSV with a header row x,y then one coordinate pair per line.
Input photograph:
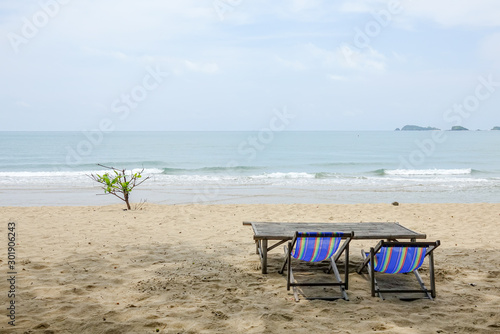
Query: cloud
x,y
295,65
128,24
116,55
334,77
301,5
354,6
207,68
343,60
252,11
364,59
448,13
180,66
325,58
349,58
489,48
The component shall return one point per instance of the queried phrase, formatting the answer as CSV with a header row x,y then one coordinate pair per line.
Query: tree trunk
x,y
126,200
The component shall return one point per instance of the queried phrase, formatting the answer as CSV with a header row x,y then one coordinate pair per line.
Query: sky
x,y
231,65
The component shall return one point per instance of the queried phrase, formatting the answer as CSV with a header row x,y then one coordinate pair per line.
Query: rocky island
x,y
430,128
458,128
416,128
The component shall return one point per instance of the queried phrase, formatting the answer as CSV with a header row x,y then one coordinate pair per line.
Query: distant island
x,y
430,128
416,128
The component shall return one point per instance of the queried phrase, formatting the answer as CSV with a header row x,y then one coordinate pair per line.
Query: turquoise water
x,y
51,168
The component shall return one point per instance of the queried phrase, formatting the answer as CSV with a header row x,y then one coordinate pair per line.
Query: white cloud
x,y
116,55
177,65
355,6
310,56
301,5
326,58
130,24
448,13
365,59
490,48
287,10
334,77
207,68
291,64
399,57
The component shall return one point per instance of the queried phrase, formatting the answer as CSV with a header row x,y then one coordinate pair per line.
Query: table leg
x,y
264,256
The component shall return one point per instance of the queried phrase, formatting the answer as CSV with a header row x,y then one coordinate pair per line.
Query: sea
x,y
270,167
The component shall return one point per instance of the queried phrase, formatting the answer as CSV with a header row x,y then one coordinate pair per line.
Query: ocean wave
x,y
324,175
304,179
279,175
379,172
411,172
327,175
195,178
245,172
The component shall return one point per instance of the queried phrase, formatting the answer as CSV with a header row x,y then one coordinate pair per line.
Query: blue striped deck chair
x,y
393,257
318,247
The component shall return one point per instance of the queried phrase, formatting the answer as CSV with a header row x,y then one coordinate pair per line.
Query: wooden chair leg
x,y
422,285
364,263
289,268
339,280
285,262
431,273
346,268
294,288
371,271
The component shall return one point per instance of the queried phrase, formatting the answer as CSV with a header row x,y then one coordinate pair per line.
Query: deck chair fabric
x,y
395,260
318,247
400,257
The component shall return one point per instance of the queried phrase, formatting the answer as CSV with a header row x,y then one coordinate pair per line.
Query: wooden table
x,y
282,232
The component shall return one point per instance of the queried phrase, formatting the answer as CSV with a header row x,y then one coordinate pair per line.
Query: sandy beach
x,y
193,269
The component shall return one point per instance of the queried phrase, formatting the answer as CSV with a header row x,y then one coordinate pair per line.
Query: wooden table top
x,y
285,230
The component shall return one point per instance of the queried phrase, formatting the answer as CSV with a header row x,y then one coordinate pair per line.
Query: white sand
x,y
193,269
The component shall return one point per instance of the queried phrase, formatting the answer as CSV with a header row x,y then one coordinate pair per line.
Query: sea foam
x,y
411,172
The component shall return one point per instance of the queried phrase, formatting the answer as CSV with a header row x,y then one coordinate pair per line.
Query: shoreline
x,y
193,269
217,194
132,203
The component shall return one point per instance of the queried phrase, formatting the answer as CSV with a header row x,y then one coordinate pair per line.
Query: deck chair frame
x,y
343,285
368,261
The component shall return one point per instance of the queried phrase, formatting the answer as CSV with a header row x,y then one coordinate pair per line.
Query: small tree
x,y
118,182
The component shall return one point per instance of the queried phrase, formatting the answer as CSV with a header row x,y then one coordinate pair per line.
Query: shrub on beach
x,y
118,182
